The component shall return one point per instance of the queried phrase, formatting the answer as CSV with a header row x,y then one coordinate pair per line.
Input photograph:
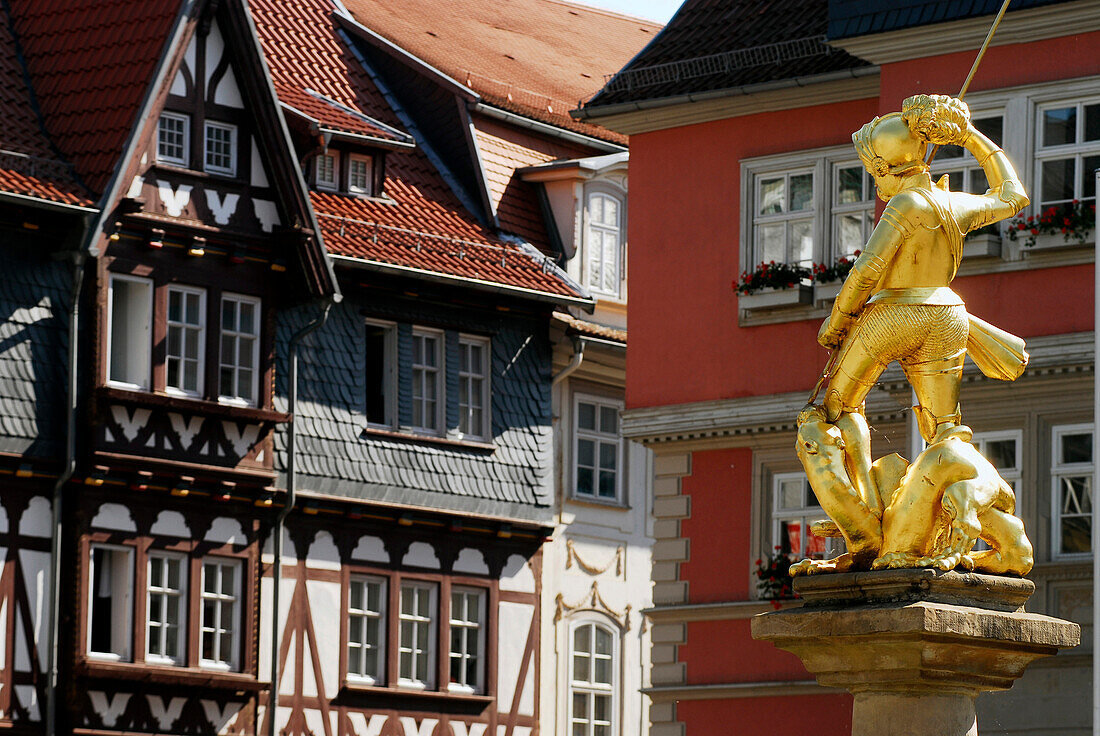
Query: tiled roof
x,y
859,17
590,329
90,63
721,44
335,116
537,58
28,165
420,215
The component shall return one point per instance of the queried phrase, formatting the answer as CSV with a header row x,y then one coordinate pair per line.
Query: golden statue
x,y
897,305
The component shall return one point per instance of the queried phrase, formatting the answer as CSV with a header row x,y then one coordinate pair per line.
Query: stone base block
x,y
915,647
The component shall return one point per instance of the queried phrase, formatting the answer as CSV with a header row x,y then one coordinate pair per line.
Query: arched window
x,y
593,681
603,240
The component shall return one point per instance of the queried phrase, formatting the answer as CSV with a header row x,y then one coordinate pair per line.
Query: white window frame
x,y
429,649
864,208
420,373
619,232
378,676
233,628
237,335
180,596
464,626
805,515
147,358
597,436
467,394
185,326
1059,471
1077,150
589,688
332,185
186,145
389,377
367,190
126,589
230,170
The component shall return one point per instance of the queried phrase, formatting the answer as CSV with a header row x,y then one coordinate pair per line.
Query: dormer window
x,y
603,240
327,171
220,153
172,138
359,174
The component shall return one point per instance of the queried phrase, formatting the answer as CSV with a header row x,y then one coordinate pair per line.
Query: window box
x,y
772,298
827,292
985,245
1057,241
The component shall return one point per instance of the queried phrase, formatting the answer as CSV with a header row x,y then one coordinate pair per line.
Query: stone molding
x,y
720,611
714,420
723,691
1022,26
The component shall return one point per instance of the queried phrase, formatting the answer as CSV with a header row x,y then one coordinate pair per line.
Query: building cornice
x,y
673,112
723,691
708,421
1023,26
683,613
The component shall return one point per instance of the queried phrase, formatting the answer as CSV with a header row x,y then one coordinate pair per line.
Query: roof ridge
x,y
32,99
605,11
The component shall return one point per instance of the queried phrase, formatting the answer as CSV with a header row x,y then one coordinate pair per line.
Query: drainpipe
x,y
280,519
78,259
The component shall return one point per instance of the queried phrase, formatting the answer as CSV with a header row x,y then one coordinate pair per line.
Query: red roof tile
x,y
28,165
590,329
538,58
90,62
421,223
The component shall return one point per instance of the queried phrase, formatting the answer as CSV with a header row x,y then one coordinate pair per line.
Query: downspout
x,y
280,519
79,259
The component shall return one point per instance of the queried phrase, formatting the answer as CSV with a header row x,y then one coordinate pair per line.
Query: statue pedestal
x,y
915,647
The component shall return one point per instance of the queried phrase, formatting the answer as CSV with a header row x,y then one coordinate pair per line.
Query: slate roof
x,y
87,82
335,455
714,45
421,223
849,18
536,58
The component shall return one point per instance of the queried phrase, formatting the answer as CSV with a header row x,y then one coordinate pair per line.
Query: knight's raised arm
x,y
1006,193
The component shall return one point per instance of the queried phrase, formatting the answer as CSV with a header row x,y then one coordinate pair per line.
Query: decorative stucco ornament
x,y
897,305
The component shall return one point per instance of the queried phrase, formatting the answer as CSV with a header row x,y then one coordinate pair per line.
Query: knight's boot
x,y
857,458
821,448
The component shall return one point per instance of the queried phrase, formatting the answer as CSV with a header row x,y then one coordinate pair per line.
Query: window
x,y
359,174
1071,475
173,133
467,640
416,648
164,608
327,170
366,629
218,626
597,448
186,340
794,508
427,381
965,175
110,606
853,208
592,681
221,148
783,217
240,350
129,326
1002,449
473,386
603,238
381,367
1067,152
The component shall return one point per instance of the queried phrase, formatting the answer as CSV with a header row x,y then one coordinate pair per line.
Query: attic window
x,y
172,135
221,148
359,174
327,170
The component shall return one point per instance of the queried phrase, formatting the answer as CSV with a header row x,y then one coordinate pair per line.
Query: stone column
x,y
915,647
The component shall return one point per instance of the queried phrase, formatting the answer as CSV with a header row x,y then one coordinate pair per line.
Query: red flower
x,y
1034,231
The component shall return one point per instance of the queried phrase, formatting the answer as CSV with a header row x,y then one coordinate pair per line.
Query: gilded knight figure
x,y
897,305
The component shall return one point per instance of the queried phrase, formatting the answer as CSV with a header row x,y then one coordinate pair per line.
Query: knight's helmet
x,y
886,145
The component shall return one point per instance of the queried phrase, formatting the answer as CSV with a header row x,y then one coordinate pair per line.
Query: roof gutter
x,y
546,129
479,284
26,200
599,111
